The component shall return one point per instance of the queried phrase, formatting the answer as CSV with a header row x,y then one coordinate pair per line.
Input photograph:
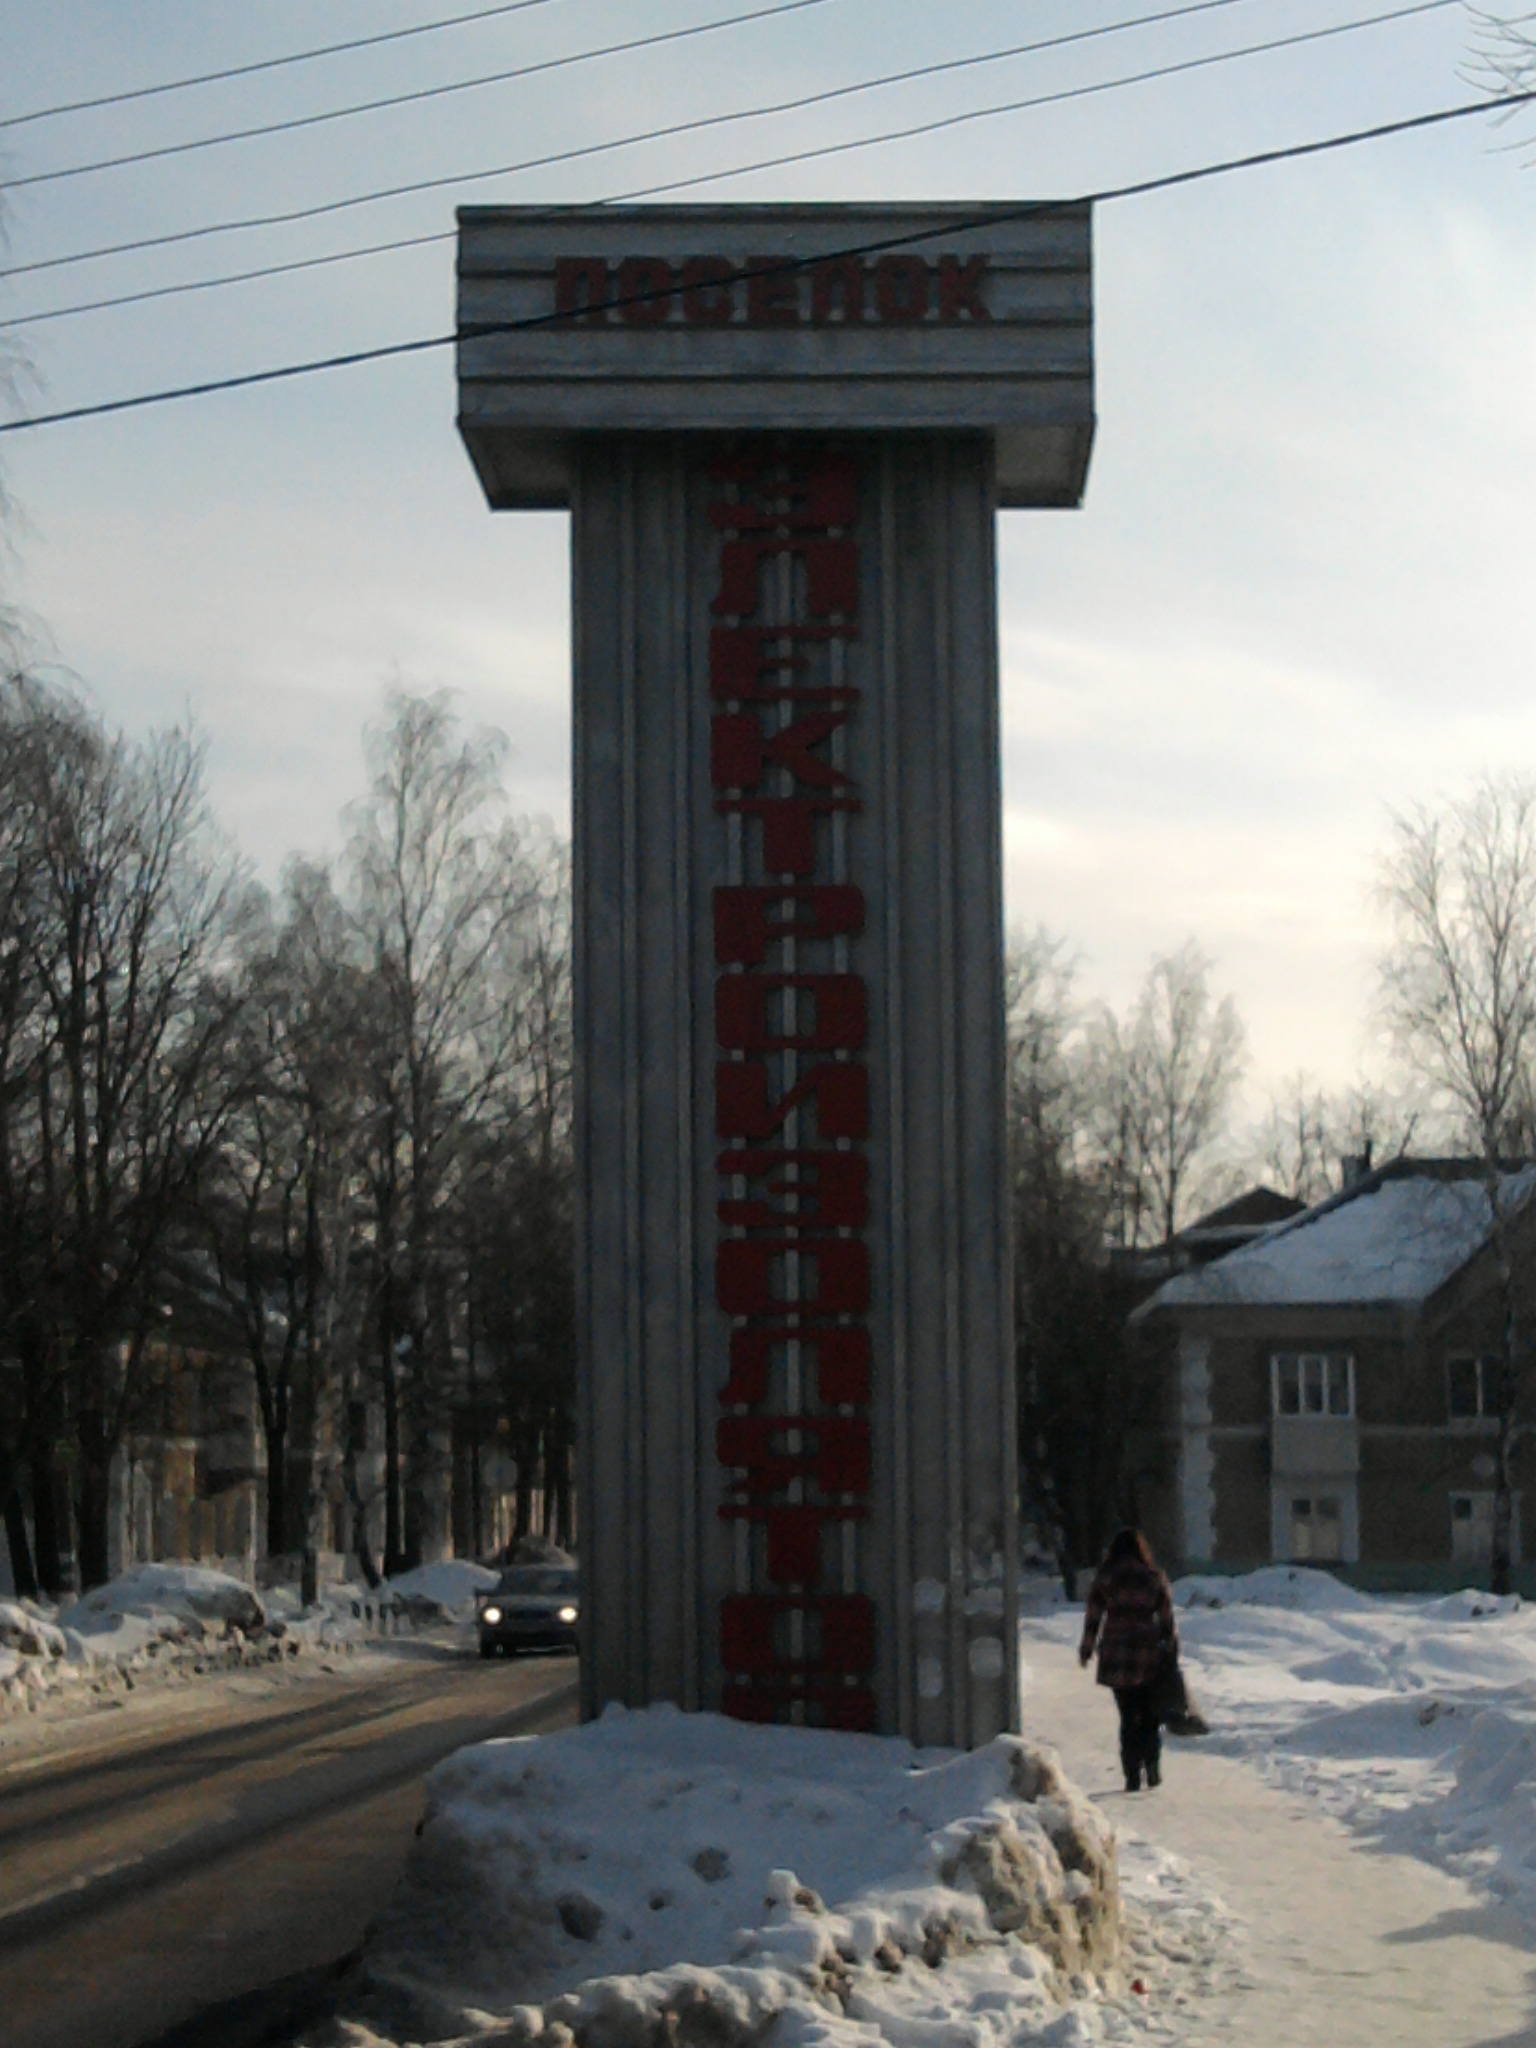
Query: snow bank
x,y
1412,1719
164,1594
1279,1585
657,1877
450,1586
163,1623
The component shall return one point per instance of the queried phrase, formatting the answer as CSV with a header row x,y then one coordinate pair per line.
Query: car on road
x,y
531,1607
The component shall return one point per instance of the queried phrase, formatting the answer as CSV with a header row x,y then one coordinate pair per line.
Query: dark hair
x,y
1129,1543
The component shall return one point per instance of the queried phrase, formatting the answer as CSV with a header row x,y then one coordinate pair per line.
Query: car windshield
x,y
528,1578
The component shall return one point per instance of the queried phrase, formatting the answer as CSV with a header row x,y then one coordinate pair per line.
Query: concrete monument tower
x,y
783,434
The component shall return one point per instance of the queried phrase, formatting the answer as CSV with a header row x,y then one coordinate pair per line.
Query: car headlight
x,y
490,1614
568,1614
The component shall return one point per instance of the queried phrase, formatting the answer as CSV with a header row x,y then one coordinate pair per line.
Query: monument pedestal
x,y
907,816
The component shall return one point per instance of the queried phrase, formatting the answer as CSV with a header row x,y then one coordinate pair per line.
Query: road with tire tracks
x,y
189,1876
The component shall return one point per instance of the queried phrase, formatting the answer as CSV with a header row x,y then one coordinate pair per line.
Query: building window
x,y
1472,1528
1472,1387
1317,1528
1320,1384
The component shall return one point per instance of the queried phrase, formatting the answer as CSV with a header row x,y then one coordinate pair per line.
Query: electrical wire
x,y
391,35
694,126
935,124
419,93
961,224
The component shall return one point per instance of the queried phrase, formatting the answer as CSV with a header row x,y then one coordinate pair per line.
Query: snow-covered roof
x,y
1393,1242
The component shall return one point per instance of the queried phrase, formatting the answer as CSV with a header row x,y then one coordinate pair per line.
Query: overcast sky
x,y
1301,589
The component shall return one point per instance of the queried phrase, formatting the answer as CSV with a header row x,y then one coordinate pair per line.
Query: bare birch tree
x,y
441,888
1162,1086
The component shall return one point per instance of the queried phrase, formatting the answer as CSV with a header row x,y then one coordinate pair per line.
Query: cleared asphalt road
x,y
158,1869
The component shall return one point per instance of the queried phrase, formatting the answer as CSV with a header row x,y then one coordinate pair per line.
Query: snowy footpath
x,y
1359,1825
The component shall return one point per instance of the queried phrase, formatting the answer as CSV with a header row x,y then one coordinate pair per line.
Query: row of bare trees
x,y
1113,1120
335,1126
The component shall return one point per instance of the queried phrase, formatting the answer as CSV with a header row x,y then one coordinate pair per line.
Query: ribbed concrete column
x,y
935,1552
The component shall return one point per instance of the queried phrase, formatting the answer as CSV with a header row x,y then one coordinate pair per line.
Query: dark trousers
x,y
1141,1741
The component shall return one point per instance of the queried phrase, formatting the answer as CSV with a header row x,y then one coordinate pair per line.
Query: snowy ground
x,y
661,1877
1411,1720
1349,1857
170,1624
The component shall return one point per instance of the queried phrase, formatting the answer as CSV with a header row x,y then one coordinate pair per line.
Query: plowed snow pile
x,y
657,1878
165,1623
1411,1719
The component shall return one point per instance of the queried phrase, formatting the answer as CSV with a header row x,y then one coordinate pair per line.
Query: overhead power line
x,y
391,35
936,123
419,93
673,130
960,224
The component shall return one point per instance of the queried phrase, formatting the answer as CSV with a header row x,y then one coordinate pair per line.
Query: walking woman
x,y
1130,1619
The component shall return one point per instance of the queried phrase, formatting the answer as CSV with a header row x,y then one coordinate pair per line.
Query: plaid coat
x,y
1130,1618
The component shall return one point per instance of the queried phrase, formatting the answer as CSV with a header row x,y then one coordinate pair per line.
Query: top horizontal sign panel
x,y
576,321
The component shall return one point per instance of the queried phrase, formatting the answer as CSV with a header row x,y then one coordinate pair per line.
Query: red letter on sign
x,y
960,288
836,1183
901,289
842,1359
839,1089
709,291
740,666
741,1013
748,920
745,1268
789,826
845,1623
831,575
645,291
581,288
844,278
773,298
740,750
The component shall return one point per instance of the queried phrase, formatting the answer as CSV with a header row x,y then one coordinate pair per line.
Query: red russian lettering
x,y
749,920
960,288
901,290
773,292
831,574
826,494
740,751
789,826
581,288
835,1184
840,1352
755,662
709,291
838,1088
835,1453
842,279
833,1276
743,1001
645,297
754,1633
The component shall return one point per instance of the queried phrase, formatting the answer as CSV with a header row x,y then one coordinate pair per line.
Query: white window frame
x,y
1285,1488
1486,1418
1331,1363
1472,1495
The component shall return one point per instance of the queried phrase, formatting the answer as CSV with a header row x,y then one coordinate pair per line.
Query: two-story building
x,y
1331,1389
